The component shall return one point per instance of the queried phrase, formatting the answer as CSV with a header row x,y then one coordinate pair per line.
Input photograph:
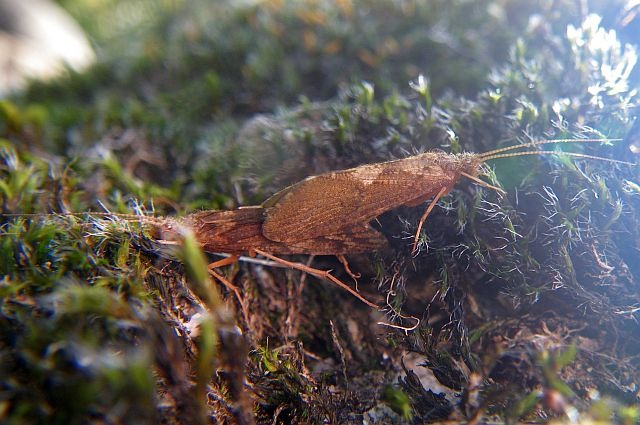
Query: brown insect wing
x,y
333,203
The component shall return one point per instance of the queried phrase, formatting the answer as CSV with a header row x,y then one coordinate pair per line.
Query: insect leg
x,y
223,279
345,264
482,183
225,262
322,274
424,217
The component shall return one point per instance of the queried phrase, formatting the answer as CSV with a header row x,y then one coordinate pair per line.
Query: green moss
x,y
398,401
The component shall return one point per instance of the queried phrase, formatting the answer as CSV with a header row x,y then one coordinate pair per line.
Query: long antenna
x,y
574,154
491,153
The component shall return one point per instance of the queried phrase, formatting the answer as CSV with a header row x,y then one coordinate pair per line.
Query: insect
x,y
329,214
335,202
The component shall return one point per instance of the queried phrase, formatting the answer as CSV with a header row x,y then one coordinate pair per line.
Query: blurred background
x,y
39,38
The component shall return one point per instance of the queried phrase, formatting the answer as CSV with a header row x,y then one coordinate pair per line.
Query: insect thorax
x,y
456,163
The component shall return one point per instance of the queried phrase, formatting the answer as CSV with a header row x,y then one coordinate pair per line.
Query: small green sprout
x,y
398,401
